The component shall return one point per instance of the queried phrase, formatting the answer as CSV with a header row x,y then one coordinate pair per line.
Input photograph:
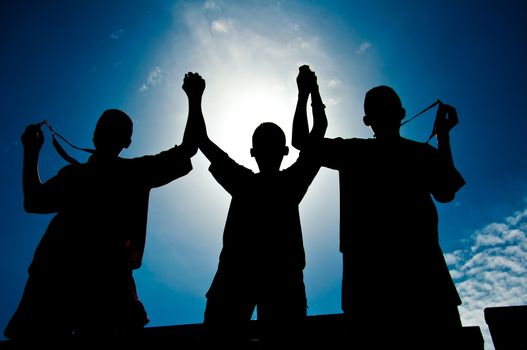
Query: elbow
x,y
29,207
33,207
319,129
189,150
323,128
299,142
296,144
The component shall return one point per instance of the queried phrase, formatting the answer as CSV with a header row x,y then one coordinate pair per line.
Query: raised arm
x,y
32,140
196,130
193,85
320,121
446,119
300,124
210,149
307,84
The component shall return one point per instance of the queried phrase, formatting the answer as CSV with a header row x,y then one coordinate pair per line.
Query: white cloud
x,y
154,77
333,83
301,43
332,101
211,5
451,258
492,272
221,26
365,45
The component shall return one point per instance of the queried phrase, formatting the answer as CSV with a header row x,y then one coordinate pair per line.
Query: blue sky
x,y
68,61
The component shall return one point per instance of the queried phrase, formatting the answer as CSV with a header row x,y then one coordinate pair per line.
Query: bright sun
x,y
233,115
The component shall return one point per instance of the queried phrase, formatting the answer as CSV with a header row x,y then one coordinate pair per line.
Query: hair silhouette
x,y
113,132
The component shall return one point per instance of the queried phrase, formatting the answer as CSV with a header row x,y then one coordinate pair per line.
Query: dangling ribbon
x,y
432,134
60,150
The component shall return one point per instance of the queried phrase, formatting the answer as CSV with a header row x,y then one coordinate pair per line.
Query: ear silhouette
x,y
286,151
403,113
127,143
252,152
366,120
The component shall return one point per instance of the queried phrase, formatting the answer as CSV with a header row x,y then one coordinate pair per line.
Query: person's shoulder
x,y
418,147
72,168
413,143
347,141
175,151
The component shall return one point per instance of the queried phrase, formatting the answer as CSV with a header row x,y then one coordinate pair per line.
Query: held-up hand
x,y
33,138
446,119
306,80
193,85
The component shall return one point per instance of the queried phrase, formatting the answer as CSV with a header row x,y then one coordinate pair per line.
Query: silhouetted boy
x,y
395,279
80,280
262,260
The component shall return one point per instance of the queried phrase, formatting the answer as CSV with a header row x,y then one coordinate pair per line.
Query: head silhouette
x,y
269,147
383,111
113,132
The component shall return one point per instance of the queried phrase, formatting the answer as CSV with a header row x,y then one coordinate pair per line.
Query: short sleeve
x,y
445,180
162,168
53,193
302,173
229,174
332,152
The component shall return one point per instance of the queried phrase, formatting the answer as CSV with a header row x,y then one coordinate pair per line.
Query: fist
x,y
33,138
306,79
446,119
193,84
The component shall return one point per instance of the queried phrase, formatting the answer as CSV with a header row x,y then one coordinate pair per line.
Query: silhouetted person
x,y
80,280
395,279
262,260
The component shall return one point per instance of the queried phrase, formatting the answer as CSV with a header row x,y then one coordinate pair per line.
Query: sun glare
x,y
233,115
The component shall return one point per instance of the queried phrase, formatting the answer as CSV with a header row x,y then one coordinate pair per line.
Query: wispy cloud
x,y
211,5
301,43
221,26
116,34
365,45
292,24
332,101
333,83
492,271
154,77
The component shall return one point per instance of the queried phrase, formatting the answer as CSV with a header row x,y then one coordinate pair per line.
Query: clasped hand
x,y
193,85
306,80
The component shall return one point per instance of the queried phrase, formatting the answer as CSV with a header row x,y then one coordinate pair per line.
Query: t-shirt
x,y
262,234
388,219
99,230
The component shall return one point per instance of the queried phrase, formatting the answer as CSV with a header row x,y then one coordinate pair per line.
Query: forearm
x,y
300,124
445,151
194,127
211,150
453,180
31,184
320,121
